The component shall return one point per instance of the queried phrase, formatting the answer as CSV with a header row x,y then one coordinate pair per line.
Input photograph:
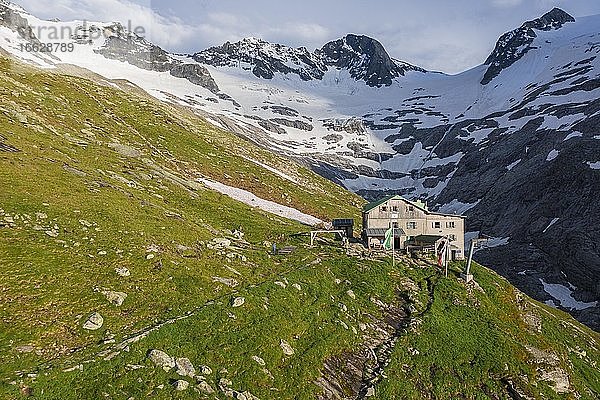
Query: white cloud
x,y
221,27
226,19
169,32
506,3
306,32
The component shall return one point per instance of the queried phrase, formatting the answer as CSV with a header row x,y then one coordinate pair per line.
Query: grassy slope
x,y
109,209
471,342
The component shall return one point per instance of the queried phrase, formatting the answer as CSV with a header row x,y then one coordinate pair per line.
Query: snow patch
x,y
564,296
265,205
436,162
407,162
468,237
497,242
215,123
566,122
478,135
490,243
273,170
552,155
555,220
594,165
511,166
551,303
573,135
457,207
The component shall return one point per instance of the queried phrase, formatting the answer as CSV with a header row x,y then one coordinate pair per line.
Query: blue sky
x,y
448,36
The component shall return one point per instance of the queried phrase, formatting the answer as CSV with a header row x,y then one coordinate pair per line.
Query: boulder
x,y
219,243
205,388
122,272
226,281
185,367
259,360
238,302
181,385
205,370
161,359
94,322
287,349
115,298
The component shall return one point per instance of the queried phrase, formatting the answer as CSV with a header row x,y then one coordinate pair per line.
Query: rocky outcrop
x,y
196,74
7,148
127,47
94,322
13,20
297,124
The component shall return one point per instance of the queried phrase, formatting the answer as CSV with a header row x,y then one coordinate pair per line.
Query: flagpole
x,y
446,250
393,240
393,244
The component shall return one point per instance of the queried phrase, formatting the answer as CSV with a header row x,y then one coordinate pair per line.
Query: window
x,y
395,208
410,209
436,225
451,225
452,237
411,225
383,208
394,225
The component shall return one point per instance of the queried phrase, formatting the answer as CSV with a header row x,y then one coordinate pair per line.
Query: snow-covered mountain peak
x,y
513,45
363,57
366,59
264,59
552,20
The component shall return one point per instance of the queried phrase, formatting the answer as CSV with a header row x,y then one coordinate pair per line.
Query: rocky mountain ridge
x,y
364,57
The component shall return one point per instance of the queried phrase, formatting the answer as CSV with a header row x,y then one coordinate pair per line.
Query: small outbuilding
x,y
344,224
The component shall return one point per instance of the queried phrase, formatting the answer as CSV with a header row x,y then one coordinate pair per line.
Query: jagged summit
x,y
553,19
515,44
264,59
365,58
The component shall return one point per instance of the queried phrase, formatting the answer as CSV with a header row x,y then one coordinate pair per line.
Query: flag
x,y
442,253
389,239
